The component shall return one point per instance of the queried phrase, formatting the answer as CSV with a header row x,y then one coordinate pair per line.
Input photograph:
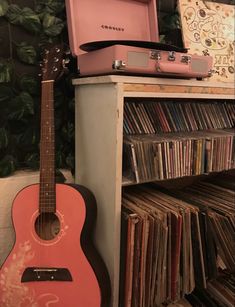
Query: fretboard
x,y
47,149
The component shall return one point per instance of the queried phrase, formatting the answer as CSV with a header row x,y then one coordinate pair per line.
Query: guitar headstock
x,y
53,63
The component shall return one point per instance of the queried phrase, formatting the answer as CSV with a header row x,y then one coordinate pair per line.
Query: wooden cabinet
x,y
99,137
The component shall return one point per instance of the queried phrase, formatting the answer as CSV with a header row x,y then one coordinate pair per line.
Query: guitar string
x,y
47,145
42,161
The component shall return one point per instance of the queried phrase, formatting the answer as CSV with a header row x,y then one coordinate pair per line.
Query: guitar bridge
x,y
46,274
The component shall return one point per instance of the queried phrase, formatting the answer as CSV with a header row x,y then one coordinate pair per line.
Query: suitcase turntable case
x,y
121,36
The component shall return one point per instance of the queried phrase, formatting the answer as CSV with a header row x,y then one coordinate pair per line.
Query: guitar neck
x,y
47,149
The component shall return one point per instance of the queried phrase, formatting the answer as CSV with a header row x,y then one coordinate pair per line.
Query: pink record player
x,y
121,36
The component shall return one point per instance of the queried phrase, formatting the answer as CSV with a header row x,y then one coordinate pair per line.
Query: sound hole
x,y
47,226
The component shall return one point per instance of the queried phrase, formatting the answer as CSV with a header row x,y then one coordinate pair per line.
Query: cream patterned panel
x,y
208,28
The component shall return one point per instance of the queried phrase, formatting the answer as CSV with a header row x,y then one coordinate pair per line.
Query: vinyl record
x,y
91,46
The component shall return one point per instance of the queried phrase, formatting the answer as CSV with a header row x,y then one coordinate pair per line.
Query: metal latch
x,y
155,55
171,56
186,59
119,65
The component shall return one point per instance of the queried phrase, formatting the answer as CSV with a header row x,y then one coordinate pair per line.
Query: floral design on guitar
x,y
10,283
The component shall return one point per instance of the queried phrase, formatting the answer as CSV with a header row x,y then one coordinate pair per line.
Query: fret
x,y
47,198
48,180
49,154
47,123
48,141
47,193
47,171
45,205
47,150
48,204
46,210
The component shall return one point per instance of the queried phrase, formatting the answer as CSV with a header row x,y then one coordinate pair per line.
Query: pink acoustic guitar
x,y
53,262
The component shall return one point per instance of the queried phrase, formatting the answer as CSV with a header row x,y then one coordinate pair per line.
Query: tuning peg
x,y
45,51
66,61
67,52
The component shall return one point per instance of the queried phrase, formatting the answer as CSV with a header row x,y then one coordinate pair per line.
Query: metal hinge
x,y
119,64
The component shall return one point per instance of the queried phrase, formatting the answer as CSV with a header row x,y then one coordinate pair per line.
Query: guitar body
x,y
55,270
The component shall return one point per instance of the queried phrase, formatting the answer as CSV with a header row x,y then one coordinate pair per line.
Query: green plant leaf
x,y
67,132
52,25
27,138
29,84
70,161
20,96
3,7
50,6
26,53
60,159
58,98
32,160
6,93
25,17
13,14
21,106
3,138
30,20
71,105
27,99
171,21
7,165
5,71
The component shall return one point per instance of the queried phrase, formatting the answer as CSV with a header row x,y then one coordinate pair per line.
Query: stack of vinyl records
x,y
219,292
180,303
167,139
175,241
172,155
150,117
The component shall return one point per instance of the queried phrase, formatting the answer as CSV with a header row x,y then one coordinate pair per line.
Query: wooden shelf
x,y
164,87
99,136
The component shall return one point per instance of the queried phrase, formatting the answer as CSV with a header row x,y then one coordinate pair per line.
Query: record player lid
x,y
107,20
91,46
